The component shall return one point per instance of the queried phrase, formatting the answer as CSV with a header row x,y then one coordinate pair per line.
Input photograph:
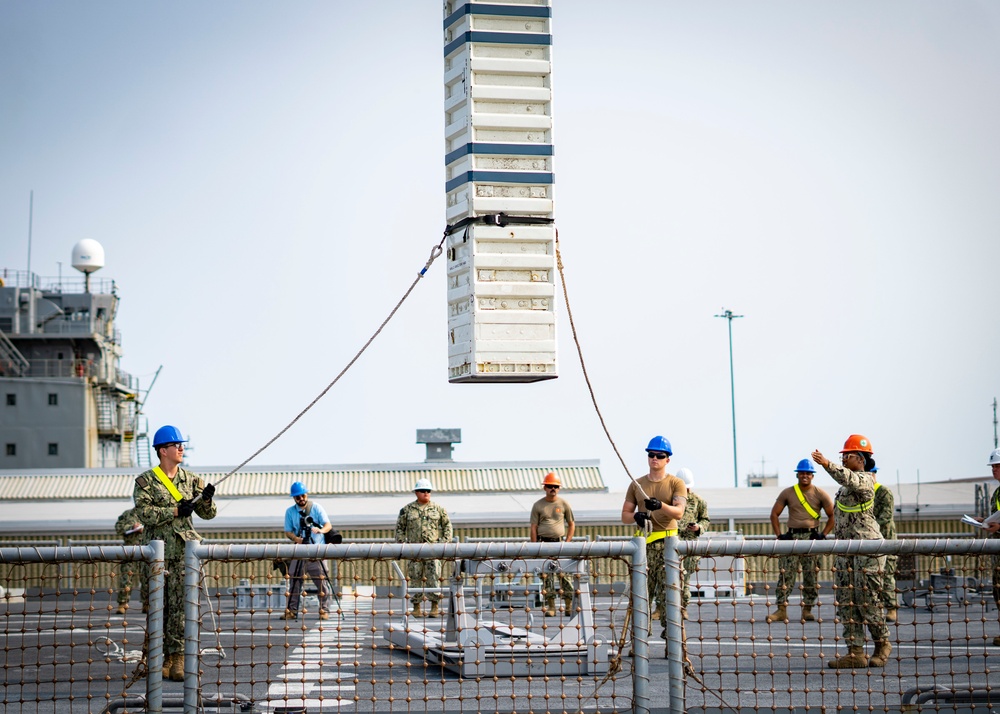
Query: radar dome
x,y
88,256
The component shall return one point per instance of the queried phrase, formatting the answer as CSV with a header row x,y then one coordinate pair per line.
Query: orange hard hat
x,y
551,480
857,442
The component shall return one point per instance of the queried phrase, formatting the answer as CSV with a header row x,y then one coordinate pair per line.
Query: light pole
x,y
728,314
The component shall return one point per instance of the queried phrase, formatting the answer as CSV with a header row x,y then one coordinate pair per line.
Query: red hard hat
x,y
551,480
857,442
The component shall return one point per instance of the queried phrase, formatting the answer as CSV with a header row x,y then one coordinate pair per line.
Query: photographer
x,y
306,522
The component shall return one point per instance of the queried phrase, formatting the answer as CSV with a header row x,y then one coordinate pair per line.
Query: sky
x,y
267,178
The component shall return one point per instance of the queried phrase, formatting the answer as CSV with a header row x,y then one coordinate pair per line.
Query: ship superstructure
x,y
65,402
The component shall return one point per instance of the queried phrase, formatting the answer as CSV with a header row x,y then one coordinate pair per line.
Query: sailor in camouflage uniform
x,y
858,577
885,515
994,531
164,500
423,521
129,529
693,523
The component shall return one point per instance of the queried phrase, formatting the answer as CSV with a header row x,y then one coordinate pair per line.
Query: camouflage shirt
x,y
885,511
155,507
696,511
125,523
994,507
423,523
854,503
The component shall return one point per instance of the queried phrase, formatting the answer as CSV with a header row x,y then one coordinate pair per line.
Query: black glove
x,y
641,518
785,536
653,504
816,535
185,508
208,492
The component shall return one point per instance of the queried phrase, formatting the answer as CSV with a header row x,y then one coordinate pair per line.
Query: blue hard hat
x,y
167,435
659,443
299,489
805,465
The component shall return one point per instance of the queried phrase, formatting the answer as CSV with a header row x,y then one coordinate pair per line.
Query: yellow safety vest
x,y
856,509
805,503
168,484
656,535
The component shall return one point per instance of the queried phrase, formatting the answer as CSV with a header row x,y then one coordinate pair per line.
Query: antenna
x,y
995,445
88,257
728,314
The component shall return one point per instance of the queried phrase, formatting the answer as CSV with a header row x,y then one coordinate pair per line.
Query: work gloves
x,y
208,492
815,535
785,536
653,504
185,508
641,517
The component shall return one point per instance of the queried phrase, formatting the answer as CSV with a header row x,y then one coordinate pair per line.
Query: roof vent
x,y
439,442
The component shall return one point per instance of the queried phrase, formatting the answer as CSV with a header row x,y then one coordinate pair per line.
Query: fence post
x,y
675,626
640,627
157,583
192,625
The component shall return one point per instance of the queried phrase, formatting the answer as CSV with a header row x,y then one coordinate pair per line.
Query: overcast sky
x,y
266,179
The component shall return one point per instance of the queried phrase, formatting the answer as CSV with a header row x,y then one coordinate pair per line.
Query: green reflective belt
x,y
856,509
805,503
656,535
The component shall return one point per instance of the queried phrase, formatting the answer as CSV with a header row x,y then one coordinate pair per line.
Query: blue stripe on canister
x,y
500,177
498,38
499,149
496,11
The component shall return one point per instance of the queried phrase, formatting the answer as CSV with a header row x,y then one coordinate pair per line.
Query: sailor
x,y
552,522
663,498
423,521
804,502
165,497
885,515
858,577
130,529
306,522
694,522
994,531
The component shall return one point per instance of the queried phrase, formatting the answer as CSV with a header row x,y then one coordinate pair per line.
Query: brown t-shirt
x,y
551,517
798,516
664,490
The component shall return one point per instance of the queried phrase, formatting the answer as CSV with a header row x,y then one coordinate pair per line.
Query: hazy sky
x,y
266,179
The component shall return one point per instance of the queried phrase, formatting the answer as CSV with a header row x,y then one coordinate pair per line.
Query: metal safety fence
x,y
790,647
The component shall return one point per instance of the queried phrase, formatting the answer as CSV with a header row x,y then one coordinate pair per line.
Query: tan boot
x,y
550,608
807,614
168,662
435,610
323,615
778,615
416,610
655,614
568,602
684,613
890,614
289,615
882,651
854,659
122,609
177,668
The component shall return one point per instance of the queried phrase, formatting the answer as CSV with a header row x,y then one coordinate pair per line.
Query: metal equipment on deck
x,y
510,642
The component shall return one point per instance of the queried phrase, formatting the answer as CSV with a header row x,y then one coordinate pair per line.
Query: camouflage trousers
x,y
690,564
996,580
564,588
789,567
889,582
656,579
128,571
424,574
858,580
173,607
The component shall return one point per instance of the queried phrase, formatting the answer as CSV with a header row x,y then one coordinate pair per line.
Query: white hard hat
x,y
994,457
686,476
423,484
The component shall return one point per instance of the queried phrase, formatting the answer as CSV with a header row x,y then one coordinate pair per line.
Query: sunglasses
x,y
554,488
656,455
423,490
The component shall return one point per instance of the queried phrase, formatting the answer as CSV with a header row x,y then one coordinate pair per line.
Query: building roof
x,y
356,480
